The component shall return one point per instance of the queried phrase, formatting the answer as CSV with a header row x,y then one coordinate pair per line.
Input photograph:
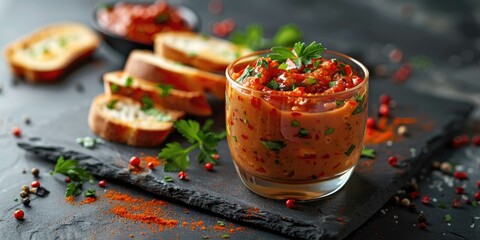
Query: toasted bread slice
x,y
204,52
47,54
145,65
119,83
120,119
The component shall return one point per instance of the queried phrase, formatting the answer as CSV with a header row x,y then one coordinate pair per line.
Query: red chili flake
x,y
68,179
414,195
457,203
244,137
476,140
459,190
291,203
19,214
135,161
35,184
422,226
208,166
478,183
296,114
371,124
460,175
426,199
182,175
102,183
151,165
392,160
476,196
16,132
385,99
326,156
384,110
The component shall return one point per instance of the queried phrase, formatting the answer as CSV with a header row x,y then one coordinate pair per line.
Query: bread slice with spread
x,y
120,119
48,53
148,66
193,102
203,52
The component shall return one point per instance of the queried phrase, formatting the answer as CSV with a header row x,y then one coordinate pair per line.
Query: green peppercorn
x,y
35,172
23,194
26,201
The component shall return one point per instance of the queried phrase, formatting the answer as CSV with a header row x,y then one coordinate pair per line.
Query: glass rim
x,y
305,95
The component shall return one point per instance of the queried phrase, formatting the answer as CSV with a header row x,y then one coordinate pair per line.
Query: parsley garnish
x,y
300,54
350,150
329,131
316,64
367,152
115,88
159,115
310,81
252,38
202,138
295,123
275,146
165,89
73,189
90,193
220,224
339,103
128,81
332,83
78,175
167,178
360,108
448,218
111,104
89,142
282,66
303,132
246,73
147,103
263,63
273,85
225,236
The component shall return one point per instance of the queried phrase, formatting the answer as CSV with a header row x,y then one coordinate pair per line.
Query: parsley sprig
x,y
203,138
76,173
300,54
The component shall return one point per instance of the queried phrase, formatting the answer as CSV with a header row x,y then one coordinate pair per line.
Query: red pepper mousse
x,y
294,115
141,21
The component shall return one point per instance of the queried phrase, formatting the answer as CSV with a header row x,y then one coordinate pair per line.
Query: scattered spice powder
x,y
385,130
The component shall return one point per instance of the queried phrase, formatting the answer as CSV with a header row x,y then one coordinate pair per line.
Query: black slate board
x,y
222,192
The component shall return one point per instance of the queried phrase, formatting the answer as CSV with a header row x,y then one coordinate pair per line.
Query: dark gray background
x,y
447,33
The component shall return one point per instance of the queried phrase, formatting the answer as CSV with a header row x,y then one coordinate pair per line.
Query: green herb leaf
x,y
167,178
368,153
128,81
275,146
252,37
71,169
220,224
73,189
115,88
165,89
90,193
159,115
202,138
147,102
339,103
310,81
246,73
263,63
329,131
282,66
300,54
273,85
111,104
448,218
295,123
225,236
350,150
316,64
360,108
332,83
303,132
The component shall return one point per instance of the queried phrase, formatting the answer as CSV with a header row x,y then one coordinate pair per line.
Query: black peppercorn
x,y
26,201
421,218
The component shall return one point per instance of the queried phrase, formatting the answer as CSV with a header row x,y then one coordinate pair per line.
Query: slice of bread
x,y
120,83
203,52
146,65
46,54
120,119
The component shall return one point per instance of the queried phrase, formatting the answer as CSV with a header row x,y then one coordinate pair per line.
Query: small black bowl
x,y
124,46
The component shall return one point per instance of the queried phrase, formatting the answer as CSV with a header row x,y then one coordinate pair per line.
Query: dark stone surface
x,y
367,30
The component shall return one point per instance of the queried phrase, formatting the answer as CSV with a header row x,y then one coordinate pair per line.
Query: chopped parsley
x,y
115,88
332,83
282,66
263,63
339,103
310,81
111,104
73,189
360,108
275,146
303,132
159,115
350,150
71,169
448,218
90,193
165,89
220,224
368,153
128,81
273,85
147,102
329,131
300,55
246,73
167,178
295,123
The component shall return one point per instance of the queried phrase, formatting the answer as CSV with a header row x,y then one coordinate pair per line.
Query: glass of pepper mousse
x,y
296,120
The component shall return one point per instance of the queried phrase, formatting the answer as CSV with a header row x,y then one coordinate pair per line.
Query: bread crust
x,y
145,65
121,131
194,103
39,71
